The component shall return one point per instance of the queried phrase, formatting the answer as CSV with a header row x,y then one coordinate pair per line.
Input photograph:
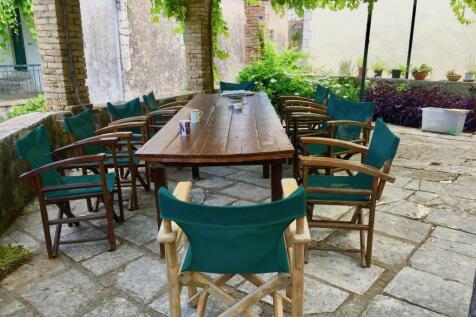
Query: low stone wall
x,y
14,193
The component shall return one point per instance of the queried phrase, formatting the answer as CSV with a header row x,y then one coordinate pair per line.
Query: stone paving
x,y
424,250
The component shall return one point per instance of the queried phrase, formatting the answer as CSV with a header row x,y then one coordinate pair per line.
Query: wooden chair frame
x,y
379,178
123,137
33,175
282,100
115,127
297,237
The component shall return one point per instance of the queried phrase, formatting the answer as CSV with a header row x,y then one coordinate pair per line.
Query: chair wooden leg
x,y
278,306
133,200
173,279
119,199
202,305
370,232
109,220
195,173
89,204
192,291
147,176
46,228
58,232
297,275
362,238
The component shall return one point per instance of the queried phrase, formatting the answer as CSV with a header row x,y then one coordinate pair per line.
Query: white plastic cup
x,y
195,115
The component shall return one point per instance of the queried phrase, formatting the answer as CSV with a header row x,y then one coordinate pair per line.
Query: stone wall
x,y
16,194
63,62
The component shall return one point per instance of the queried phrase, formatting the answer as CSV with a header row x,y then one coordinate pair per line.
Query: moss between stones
x,y
12,257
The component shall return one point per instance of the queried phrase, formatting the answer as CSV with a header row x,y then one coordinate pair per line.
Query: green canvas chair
x,y
130,112
53,187
245,240
349,121
248,86
361,190
159,115
81,127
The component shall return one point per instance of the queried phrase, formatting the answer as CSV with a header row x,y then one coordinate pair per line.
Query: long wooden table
x,y
222,137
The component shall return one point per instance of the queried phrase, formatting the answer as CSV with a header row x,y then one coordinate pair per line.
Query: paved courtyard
x,y
424,250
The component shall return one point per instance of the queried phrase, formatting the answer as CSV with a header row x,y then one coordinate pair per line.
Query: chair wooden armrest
x,y
169,230
312,161
162,112
118,134
333,142
85,143
175,104
70,186
65,164
305,103
299,109
129,119
118,127
299,98
298,230
336,123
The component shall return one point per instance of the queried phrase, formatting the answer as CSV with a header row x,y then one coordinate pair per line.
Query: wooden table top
x,y
223,135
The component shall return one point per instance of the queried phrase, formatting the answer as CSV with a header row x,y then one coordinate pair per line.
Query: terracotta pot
x,y
360,72
453,77
420,75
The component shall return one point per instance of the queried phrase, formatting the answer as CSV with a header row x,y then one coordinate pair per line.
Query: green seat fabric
x,y
239,239
383,147
150,102
129,109
320,149
81,126
35,148
248,86
322,93
68,180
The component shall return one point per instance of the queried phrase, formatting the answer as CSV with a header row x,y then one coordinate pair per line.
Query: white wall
x,y
440,40
101,49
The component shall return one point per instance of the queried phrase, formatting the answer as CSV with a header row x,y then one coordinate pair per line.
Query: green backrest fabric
x,y
239,239
249,86
322,93
35,148
150,102
341,109
126,110
383,146
81,126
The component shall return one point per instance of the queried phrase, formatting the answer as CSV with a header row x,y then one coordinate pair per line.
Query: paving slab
x,y
431,292
117,307
406,208
444,263
454,220
138,230
9,305
143,279
218,170
330,212
247,192
250,177
453,240
108,261
218,200
349,274
452,189
401,227
17,238
81,251
72,287
387,306
393,194
213,182
387,250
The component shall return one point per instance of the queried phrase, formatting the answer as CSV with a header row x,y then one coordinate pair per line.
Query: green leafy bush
x,y
278,73
34,105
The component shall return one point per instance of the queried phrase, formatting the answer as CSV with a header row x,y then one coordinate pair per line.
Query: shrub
x,y
34,105
403,106
278,74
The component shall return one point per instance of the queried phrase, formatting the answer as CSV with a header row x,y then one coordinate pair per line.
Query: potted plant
x,y
470,70
378,68
398,70
452,75
360,63
421,72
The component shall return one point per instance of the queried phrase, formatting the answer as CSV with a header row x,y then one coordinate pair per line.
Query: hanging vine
x,y
8,19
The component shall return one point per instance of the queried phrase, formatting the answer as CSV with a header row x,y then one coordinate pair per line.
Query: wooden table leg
x,y
265,170
276,176
158,175
195,173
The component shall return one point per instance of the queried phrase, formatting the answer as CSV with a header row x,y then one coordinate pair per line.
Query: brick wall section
x,y
57,82
198,49
255,14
